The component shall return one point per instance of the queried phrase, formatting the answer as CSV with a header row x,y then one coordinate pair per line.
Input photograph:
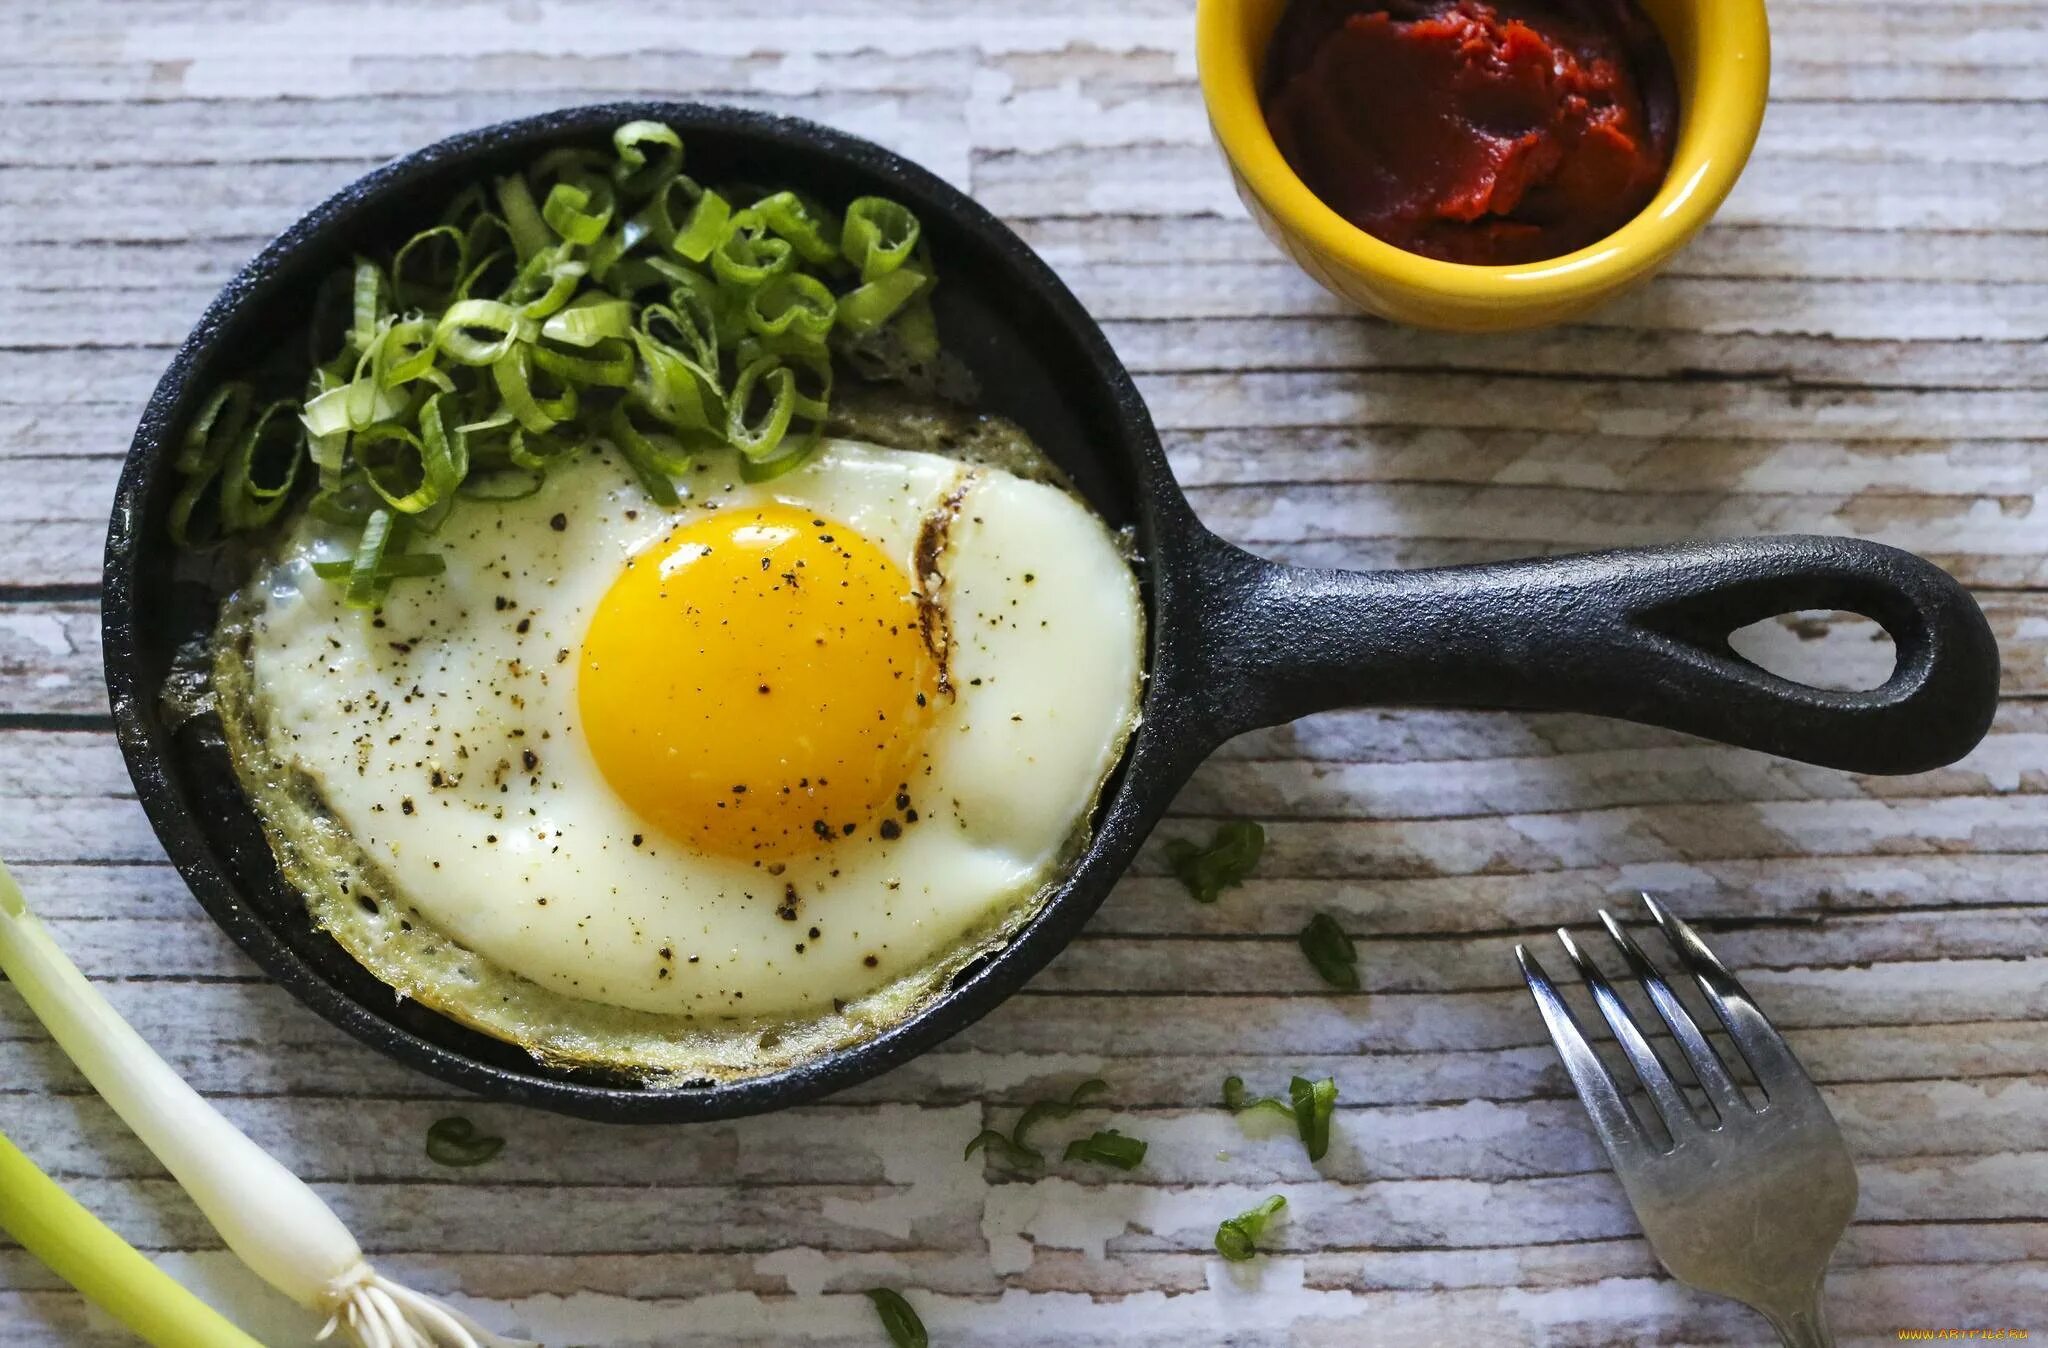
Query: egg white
x,y
422,768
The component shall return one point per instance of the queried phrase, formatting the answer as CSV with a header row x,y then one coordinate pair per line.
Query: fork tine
x,y
1612,1120
1707,1068
1777,1072
1649,1070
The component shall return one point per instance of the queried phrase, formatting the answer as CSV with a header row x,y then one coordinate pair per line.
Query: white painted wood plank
x,y
1852,348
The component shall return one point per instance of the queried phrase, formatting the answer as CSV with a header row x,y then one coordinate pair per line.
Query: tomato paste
x,y
1483,131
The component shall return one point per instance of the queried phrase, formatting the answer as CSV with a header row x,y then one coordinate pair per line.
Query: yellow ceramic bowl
x,y
1721,52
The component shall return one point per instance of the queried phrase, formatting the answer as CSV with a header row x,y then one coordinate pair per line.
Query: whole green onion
x,y
274,1223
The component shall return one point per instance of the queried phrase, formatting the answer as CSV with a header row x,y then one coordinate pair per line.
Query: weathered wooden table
x,y
1856,347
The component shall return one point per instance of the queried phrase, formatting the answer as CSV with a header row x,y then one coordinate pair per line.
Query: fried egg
x,y
700,789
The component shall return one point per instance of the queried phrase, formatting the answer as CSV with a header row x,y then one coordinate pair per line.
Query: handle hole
x,y
1821,648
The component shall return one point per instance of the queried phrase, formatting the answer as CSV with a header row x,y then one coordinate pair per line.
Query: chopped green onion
x,y
455,1141
367,578
702,229
878,236
1237,1238
995,1140
1223,864
872,305
588,321
368,292
643,458
513,374
578,214
793,304
262,469
1331,952
749,255
608,364
1314,1103
904,1328
634,171
388,568
522,218
442,271
1234,1100
457,332
1079,1098
1015,1147
758,436
1108,1147
612,300
1311,1104
816,240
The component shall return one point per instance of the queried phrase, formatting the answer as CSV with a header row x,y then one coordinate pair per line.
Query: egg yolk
x,y
756,684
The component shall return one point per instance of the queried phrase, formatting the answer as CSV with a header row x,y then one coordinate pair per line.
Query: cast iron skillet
x,y
1236,642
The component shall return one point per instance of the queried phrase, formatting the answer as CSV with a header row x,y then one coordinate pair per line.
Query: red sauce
x,y
1483,131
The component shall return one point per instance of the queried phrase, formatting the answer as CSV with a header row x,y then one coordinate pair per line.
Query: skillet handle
x,y
1640,634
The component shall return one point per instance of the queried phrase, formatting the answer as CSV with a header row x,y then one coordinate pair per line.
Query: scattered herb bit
x,y
1082,1095
455,1141
905,1329
1309,1103
1237,1238
1108,1147
1331,952
1015,1149
592,297
1314,1103
999,1142
1234,1100
1223,864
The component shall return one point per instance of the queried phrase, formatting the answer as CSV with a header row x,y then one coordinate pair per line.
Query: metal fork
x,y
1746,1200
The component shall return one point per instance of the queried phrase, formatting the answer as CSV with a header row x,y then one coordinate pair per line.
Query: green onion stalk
x,y
273,1222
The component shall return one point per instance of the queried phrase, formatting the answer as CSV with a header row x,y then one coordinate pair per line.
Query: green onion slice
x,y
995,1141
262,469
749,255
1314,1103
609,364
369,296
428,267
636,170
1108,1147
646,458
757,436
1234,1100
513,374
217,426
1237,1238
578,214
878,237
480,332
814,234
458,1142
863,310
702,229
905,1330
522,218
588,320
1331,952
1079,1098
793,305
1223,864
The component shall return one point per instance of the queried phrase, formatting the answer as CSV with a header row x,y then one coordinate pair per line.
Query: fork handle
x,y
1806,1328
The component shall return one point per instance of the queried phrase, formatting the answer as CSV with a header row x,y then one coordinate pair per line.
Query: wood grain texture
x,y
1856,346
